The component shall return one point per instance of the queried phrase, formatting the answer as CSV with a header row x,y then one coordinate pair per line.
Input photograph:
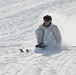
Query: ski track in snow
x,y
41,64
18,63
14,33
59,63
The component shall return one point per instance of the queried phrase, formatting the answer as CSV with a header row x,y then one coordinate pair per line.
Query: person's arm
x,y
39,34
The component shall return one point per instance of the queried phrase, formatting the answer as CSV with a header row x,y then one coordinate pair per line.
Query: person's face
x,y
47,23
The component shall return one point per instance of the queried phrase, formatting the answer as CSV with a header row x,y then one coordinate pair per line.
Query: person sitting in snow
x,y
48,35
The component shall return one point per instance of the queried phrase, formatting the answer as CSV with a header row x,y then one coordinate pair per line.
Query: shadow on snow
x,y
46,52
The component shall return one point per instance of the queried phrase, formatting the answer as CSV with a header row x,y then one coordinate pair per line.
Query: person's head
x,y
47,19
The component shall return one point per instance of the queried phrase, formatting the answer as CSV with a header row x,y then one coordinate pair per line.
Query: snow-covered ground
x,y
18,21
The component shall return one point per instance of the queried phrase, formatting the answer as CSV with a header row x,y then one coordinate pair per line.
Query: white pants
x,y
46,37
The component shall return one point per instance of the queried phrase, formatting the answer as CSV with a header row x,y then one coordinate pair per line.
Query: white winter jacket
x,y
55,31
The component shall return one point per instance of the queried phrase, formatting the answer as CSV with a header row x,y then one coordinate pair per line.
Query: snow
x,y
18,22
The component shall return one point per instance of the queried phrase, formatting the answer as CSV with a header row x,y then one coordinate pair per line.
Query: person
x,y
48,35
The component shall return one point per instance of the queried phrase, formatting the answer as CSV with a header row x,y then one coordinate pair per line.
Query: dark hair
x,y
47,18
